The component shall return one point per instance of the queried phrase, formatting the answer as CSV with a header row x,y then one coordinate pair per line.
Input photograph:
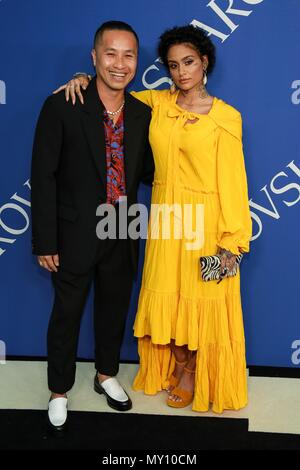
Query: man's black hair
x,y
114,26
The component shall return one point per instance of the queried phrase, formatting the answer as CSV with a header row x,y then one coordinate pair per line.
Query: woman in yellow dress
x,y
190,332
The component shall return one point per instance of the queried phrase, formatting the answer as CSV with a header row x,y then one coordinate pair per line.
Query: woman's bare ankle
x,y
180,353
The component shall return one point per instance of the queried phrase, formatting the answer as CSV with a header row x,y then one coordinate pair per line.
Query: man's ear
x,y
93,53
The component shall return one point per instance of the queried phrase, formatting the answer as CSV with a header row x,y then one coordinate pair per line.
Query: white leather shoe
x,y
114,389
57,411
116,396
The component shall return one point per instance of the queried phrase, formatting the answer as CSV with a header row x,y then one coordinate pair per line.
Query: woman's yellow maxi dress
x,y
198,163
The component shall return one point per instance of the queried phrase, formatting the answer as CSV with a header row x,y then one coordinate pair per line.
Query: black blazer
x,y
68,174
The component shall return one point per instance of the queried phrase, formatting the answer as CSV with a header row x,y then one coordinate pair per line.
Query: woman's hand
x,y
228,260
73,88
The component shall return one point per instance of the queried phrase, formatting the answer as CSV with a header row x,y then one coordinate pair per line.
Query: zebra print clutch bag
x,y
211,268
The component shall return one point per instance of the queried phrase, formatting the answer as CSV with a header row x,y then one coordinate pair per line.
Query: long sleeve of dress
x,y
234,225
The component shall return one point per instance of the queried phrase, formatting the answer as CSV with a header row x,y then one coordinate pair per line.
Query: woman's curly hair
x,y
197,37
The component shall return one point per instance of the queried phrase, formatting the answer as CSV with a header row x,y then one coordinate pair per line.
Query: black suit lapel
x,y
131,151
92,120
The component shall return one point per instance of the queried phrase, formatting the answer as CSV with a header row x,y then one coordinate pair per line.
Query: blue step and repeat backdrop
x,y
42,43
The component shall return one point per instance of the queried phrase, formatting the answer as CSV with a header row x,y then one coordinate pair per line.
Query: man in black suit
x,y
84,156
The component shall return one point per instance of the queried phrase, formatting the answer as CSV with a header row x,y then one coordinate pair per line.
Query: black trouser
x,y
113,277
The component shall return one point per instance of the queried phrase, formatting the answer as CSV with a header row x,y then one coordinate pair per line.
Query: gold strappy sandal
x,y
185,395
174,381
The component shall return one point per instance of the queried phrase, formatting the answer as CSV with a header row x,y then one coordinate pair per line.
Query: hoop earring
x,y
173,88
